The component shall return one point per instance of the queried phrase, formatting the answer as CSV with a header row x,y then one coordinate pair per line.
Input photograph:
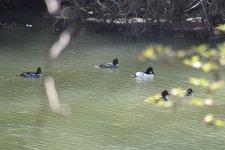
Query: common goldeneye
x,y
148,74
164,95
157,99
189,92
114,64
36,74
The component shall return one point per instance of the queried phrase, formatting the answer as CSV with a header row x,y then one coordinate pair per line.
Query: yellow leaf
x,y
219,123
209,118
187,62
222,27
195,58
197,102
208,102
196,64
207,67
194,81
153,99
216,85
181,54
212,52
149,53
161,103
204,83
222,61
202,47
177,92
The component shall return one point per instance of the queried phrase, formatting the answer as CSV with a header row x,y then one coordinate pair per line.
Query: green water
x,y
106,107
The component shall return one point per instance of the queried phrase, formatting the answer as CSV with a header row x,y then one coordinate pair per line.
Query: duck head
x,y
149,71
115,61
164,95
189,92
39,70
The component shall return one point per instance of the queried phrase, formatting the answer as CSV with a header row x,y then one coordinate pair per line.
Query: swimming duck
x,y
148,74
36,74
189,92
114,64
157,99
164,95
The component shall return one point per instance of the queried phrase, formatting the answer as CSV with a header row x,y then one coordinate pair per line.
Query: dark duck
x,y
164,95
189,92
36,74
114,64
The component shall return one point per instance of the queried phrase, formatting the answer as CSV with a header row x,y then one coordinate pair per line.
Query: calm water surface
x,y
106,107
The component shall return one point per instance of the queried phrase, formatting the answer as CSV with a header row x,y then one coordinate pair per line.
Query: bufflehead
x,y
189,92
148,74
36,74
114,64
164,95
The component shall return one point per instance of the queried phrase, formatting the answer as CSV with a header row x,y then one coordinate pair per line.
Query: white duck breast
x,y
143,75
148,74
